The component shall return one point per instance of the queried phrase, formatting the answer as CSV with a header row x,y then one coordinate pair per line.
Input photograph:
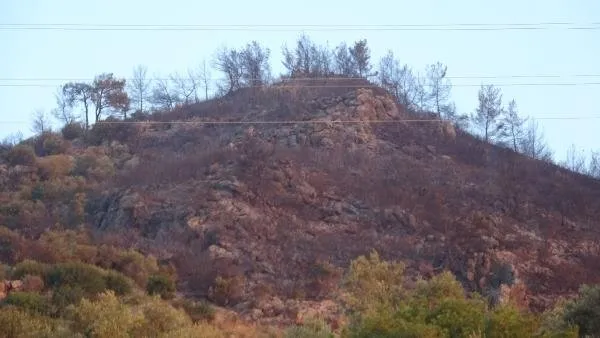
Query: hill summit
x,y
269,193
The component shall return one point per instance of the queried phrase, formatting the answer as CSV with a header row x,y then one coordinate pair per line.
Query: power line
x,y
369,86
311,78
311,121
305,27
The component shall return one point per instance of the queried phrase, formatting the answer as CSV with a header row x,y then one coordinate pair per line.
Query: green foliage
x,y
584,311
508,321
160,285
106,317
87,277
28,301
15,322
94,164
372,283
64,296
198,311
21,154
437,307
314,328
51,144
117,282
73,130
30,267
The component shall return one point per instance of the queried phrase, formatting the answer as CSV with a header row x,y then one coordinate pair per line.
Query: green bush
x,y
160,285
30,267
52,144
117,282
21,154
18,323
584,311
73,130
87,277
64,296
314,328
198,311
28,301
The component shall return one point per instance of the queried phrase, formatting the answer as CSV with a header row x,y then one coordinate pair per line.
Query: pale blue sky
x,y
84,54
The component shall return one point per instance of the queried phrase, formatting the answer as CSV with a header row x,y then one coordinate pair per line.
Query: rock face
x,y
282,207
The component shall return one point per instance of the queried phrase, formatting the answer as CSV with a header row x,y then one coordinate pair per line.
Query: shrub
x,y
11,244
226,291
21,154
111,130
64,296
51,144
105,317
94,163
160,318
120,284
55,166
73,130
584,311
31,268
32,283
28,301
314,328
18,323
160,285
373,283
136,266
87,277
198,311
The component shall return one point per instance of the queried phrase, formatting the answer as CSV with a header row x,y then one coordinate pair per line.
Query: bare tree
x,y
204,76
63,112
12,139
575,160
594,165
513,125
108,93
78,93
140,87
422,98
185,87
345,64
254,64
439,87
229,62
307,59
397,79
361,55
533,143
488,111
163,96
40,122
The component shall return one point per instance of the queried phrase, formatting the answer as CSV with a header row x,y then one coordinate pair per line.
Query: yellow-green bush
x,y
313,328
18,323
438,307
21,154
55,166
372,283
28,301
160,285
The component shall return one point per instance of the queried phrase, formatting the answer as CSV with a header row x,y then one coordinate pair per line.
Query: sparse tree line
x,y
250,66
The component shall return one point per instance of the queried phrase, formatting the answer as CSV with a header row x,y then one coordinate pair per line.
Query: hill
x,y
261,199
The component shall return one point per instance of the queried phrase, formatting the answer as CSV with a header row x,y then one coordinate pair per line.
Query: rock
x,y
217,252
412,221
431,149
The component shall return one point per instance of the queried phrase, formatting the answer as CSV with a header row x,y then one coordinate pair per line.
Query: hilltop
x,y
274,191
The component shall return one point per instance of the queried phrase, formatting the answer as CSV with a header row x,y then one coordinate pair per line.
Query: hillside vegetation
x,y
319,204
